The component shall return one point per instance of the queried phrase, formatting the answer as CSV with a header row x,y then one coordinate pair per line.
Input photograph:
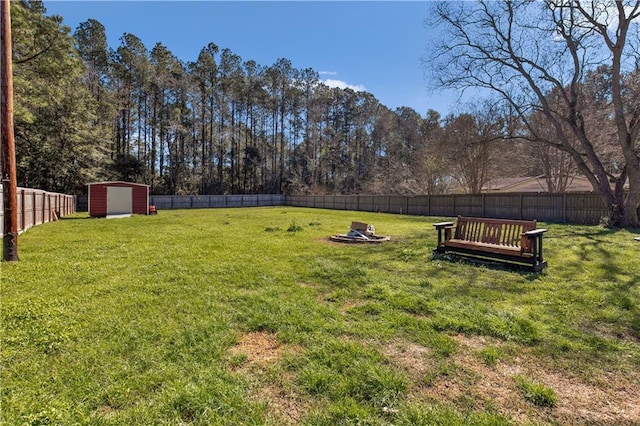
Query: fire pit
x,y
360,233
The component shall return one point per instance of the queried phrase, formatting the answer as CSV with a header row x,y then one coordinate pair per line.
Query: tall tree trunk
x,y
9,179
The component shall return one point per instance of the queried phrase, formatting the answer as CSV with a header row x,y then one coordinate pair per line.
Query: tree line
x,y
222,124
216,125
219,124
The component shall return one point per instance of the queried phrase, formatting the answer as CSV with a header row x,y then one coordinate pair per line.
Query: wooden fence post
x,y
455,213
521,208
23,203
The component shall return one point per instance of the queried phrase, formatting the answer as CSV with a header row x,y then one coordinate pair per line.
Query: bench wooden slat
x,y
491,234
485,247
492,231
510,231
505,239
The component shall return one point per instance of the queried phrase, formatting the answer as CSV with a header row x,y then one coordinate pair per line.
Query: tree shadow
x,y
588,232
597,245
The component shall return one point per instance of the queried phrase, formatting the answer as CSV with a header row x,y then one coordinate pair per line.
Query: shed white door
x,y
119,200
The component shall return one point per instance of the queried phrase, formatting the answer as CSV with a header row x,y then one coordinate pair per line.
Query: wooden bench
x,y
512,241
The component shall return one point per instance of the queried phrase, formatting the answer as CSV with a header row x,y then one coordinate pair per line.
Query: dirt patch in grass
x,y
259,348
411,357
106,411
308,285
348,306
470,382
615,402
326,240
254,354
605,331
285,405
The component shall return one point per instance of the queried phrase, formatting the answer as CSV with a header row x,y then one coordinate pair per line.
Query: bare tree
x,y
470,151
431,165
526,51
556,165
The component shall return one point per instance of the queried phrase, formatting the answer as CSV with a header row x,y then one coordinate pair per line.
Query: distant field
x,y
252,317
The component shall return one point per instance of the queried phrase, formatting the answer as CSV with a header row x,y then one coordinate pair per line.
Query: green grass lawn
x,y
251,316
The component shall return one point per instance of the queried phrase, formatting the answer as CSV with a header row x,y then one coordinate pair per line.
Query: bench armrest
x,y
444,234
535,232
531,242
442,225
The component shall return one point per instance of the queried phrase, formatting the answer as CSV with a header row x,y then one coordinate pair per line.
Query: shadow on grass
x,y
596,246
590,232
522,270
76,218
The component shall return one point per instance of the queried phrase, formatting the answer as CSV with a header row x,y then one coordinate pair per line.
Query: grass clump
x,y
536,393
295,226
490,355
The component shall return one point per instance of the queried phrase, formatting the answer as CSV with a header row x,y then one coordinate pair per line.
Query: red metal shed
x,y
116,198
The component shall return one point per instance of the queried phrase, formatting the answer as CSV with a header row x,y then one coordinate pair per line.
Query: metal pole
x,y
9,179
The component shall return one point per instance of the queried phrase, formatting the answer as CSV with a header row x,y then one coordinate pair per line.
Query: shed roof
x,y
536,184
119,182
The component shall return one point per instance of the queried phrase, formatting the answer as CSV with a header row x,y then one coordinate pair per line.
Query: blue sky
x,y
374,46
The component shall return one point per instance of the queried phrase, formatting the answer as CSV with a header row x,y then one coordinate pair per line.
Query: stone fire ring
x,y
374,239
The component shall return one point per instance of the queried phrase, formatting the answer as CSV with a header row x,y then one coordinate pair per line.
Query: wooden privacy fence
x,y
577,208
213,201
36,207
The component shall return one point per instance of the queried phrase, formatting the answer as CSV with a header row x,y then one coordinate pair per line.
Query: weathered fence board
x,y
579,208
442,205
418,205
36,207
167,202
